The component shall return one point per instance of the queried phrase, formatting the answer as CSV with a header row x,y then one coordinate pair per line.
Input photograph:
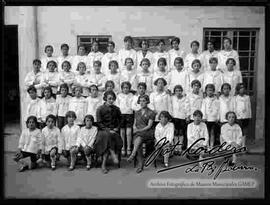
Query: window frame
x,y
91,37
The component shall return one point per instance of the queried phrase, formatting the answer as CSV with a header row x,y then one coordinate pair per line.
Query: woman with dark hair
x,y
208,54
144,53
108,139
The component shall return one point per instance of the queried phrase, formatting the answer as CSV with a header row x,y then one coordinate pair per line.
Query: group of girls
x,y
83,104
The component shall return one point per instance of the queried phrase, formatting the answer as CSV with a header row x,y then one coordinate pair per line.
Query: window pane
x,y
234,43
253,33
85,39
253,43
252,63
206,33
242,53
243,63
244,33
216,33
244,43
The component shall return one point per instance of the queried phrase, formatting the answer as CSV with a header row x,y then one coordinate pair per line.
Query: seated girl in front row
x,y
231,133
29,144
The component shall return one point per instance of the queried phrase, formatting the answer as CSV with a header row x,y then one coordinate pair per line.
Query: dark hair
x,y
32,117
196,82
196,42
177,87
180,60
78,86
230,59
64,45
175,39
126,83
196,61
128,38
52,117
110,92
238,87
230,112
210,86
115,62
51,61
146,97
166,114
31,88
98,63
163,60
129,59
107,83
48,46
111,42
210,41
64,85
67,63
94,42
36,61
213,59
144,40
81,46
142,84
81,63
163,80
71,114
93,85
226,38
160,41
225,84
145,60
47,88
198,112
90,117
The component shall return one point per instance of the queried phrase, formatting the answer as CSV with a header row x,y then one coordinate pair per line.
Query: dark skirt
x,y
145,135
106,140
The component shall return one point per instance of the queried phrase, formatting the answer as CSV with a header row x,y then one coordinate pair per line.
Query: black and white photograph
x,y
134,102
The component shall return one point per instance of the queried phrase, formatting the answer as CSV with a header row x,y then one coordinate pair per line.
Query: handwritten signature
x,y
220,151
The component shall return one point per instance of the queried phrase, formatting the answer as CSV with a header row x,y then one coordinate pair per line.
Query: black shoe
x,y
104,170
71,168
231,164
53,168
23,168
139,170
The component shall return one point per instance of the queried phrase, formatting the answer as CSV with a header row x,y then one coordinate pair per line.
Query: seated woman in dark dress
x,y
143,129
108,139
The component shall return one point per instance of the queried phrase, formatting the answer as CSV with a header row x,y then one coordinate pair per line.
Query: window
x,y
153,40
244,40
87,41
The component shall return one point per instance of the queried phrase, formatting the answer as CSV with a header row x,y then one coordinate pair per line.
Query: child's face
x,y
163,120
82,69
88,123
110,48
161,66
31,124
175,45
196,88
230,65
47,94
33,94
160,85
64,51
194,48
144,45
109,87
213,65
110,99
210,46
125,89
209,92
94,92
97,68
128,44
226,44
161,47
50,123
81,51
49,51
36,66
145,66
231,118
143,102
129,64
65,67
141,90
70,120
51,67
196,67
178,65
78,92
226,90
178,92
113,68
197,119
63,92
95,47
